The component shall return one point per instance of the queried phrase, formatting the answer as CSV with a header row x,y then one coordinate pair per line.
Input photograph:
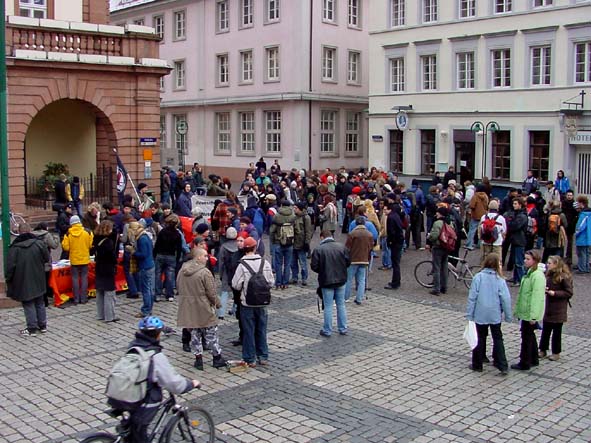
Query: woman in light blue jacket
x,y
489,298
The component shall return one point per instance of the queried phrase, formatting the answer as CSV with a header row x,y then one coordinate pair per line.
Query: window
x,y
180,140
163,134
396,148
179,74
583,62
397,12
179,25
247,13
162,83
33,8
139,22
501,68
328,11
273,131
352,131
222,18
272,63
272,10
246,66
223,74
353,67
353,13
222,126
158,25
247,139
467,8
428,151
328,122
397,74
501,152
429,11
540,65
429,72
539,152
540,3
502,6
465,67
328,64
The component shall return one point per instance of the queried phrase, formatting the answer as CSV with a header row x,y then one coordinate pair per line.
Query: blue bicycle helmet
x,y
150,323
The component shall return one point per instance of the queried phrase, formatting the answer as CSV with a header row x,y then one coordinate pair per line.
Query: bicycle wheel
x,y
194,425
424,273
15,221
469,274
100,437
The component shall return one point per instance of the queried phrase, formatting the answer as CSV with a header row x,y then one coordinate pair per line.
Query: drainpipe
x,y
3,138
310,86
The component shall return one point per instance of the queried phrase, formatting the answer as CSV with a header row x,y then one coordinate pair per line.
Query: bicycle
x,y
15,221
186,423
462,271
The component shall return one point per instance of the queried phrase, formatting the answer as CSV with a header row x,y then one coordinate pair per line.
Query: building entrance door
x,y
465,160
584,172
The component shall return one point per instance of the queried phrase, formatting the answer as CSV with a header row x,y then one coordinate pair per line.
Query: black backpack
x,y
258,290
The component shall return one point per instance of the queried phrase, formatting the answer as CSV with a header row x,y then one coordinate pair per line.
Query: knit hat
x,y
196,211
243,234
301,205
74,220
452,182
271,197
494,205
231,233
285,203
250,242
201,228
356,190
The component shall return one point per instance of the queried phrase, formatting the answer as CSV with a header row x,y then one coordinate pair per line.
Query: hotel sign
x,y
116,5
581,138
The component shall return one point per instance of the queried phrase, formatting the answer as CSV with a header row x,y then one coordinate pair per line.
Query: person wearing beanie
x,y
226,269
281,234
491,244
77,242
438,253
301,244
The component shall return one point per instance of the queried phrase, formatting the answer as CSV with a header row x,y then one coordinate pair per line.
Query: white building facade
x,y
492,87
278,79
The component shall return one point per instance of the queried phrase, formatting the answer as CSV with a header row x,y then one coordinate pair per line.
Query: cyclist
x,y
161,375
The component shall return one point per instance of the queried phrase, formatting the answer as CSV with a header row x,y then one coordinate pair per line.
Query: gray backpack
x,y
128,380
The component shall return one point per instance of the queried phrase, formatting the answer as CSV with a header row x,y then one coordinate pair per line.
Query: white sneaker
x,y
170,298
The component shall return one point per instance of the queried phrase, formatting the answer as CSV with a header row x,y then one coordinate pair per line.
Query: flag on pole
x,y
121,177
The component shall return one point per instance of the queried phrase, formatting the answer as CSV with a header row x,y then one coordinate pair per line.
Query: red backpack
x,y
489,232
448,237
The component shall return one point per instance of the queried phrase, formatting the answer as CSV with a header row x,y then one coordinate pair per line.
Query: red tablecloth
x,y
60,282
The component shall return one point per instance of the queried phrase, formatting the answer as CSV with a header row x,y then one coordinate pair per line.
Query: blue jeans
x,y
282,259
583,258
147,285
340,212
80,283
272,248
471,233
254,330
165,264
519,267
386,253
224,295
359,272
299,261
330,296
132,284
165,197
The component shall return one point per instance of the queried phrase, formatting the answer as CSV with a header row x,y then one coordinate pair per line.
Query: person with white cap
x,y
78,242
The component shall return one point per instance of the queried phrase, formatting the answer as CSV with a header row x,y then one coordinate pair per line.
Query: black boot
x,y
198,362
218,361
186,347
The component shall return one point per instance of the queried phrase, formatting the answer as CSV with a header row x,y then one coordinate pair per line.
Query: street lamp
x,y
480,128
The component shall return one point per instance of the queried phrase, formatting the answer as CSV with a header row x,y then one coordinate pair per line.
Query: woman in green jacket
x,y
530,309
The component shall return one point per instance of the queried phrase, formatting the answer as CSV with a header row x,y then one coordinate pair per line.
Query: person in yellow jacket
x,y
78,242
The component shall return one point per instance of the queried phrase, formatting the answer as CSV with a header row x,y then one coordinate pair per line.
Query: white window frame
x,y
223,132
272,11
465,70
329,119
180,75
429,11
246,13
247,127
272,64
329,11
354,67
180,25
222,16
502,6
397,74
541,3
353,133
354,13
586,63
466,9
180,140
272,127
158,25
397,13
428,72
163,132
502,57
32,10
329,64
222,70
542,70
246,66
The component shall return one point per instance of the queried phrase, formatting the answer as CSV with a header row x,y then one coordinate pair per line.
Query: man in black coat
x,y
517,229
396,224
572,215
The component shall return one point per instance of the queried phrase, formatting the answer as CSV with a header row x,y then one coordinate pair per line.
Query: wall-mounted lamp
x,y
444,134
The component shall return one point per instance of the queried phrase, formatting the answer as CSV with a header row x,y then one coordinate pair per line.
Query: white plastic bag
x,y
470,334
